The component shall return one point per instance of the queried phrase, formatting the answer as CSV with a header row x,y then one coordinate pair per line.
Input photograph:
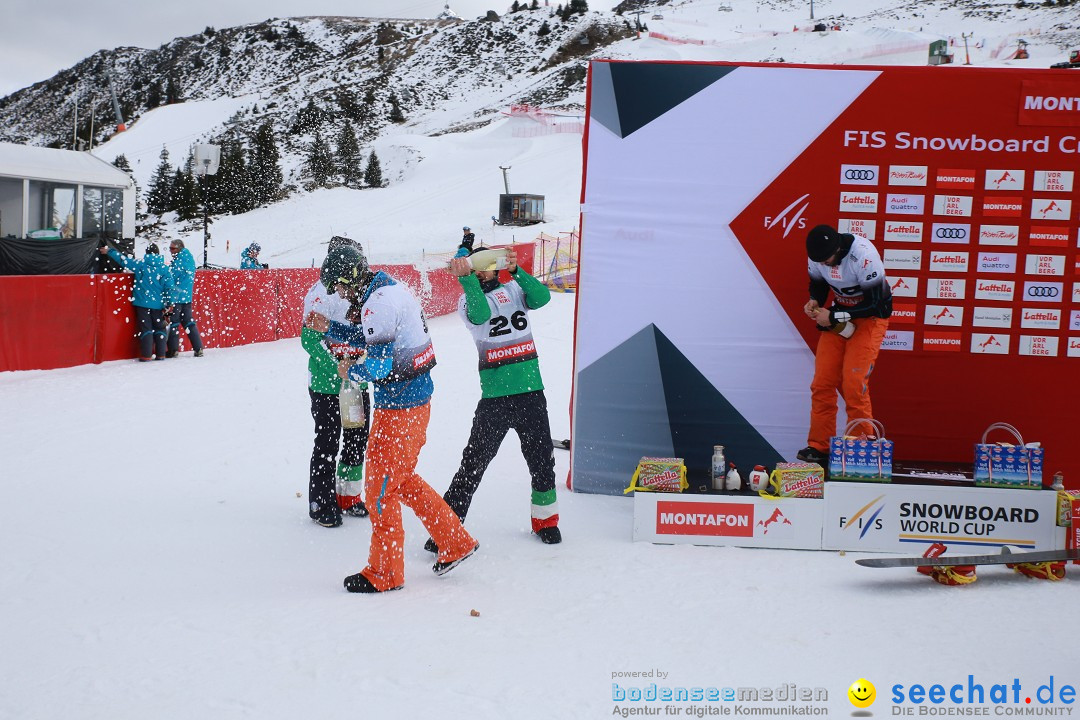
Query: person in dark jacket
x,y
183,275
153,283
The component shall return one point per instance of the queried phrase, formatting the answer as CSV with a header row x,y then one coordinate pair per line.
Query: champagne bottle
x,y
352,405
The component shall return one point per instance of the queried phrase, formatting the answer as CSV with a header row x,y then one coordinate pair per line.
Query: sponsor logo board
x,y
904,204
990,343
903,231
995,262
1040,318
994,289
859,174
952,205
1004,180
858,226
1039,345
702,518
1074,347
908,175
944,315
1050,102
992,317
1046,236
946,288
953,179
948,261
903,313
941,341
955,233
858,202
902,259
1044,265
1074,320
1003,206
1053,181
1051,209
1042,291
999,234
898,340
905,286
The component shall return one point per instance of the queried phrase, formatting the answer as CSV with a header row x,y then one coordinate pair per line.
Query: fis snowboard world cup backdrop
x,y
701,183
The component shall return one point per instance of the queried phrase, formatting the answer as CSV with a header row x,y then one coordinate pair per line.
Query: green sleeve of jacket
x,y
311,341
476,304
537,293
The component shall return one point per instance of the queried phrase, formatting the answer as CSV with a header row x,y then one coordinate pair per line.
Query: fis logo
x,y
866,518
790,217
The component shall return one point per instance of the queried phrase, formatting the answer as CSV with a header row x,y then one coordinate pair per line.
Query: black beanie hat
x,y
822,243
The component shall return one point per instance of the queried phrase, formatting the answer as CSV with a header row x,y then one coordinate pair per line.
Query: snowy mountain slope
x,y
454,81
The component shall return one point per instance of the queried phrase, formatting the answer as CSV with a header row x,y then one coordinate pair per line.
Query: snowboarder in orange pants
x,y
391,481
849,267
398,361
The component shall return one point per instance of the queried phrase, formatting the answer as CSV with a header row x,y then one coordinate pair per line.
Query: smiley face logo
x,y
862,693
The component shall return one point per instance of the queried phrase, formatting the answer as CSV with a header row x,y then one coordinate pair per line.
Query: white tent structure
x,y
62,193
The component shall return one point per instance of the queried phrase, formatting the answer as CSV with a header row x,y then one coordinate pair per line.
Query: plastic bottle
x,y
352,405
758,478
719,467
733,482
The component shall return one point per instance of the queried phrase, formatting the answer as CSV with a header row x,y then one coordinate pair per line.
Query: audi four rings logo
x,y
1043,291
859,174
955,233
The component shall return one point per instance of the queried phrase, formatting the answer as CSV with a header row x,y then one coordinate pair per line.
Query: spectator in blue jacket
x,y
153,283
183,275
249,259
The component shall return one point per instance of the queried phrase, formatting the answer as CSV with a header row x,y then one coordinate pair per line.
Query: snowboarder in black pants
x,y
513,392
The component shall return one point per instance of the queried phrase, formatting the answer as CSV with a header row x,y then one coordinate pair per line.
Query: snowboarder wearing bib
x,y
512,391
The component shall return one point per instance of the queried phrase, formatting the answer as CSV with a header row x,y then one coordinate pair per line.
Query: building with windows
x,y
56,194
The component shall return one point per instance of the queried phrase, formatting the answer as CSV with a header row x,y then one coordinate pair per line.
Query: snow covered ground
x,y
156,559
158,562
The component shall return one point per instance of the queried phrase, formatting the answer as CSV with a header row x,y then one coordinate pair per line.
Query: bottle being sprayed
x,y
352,405
733,481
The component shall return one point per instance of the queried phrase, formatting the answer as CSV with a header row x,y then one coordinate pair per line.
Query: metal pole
x,y
811,9
205,217
506,180
967,57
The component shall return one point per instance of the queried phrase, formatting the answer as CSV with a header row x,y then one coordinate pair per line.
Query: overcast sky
x,y
38,38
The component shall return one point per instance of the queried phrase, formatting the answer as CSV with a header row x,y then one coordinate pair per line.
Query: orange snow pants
x,y
844,366
390,482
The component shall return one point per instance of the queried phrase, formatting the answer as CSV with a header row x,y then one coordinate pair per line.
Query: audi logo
x,y
859,174
1043,291
955,233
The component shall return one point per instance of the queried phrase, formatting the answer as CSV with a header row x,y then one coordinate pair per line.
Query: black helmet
x,y
345,265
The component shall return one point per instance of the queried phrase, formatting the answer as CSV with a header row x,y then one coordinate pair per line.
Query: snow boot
x,y
431,547
813,455
329,516
359,584
549,535
441,568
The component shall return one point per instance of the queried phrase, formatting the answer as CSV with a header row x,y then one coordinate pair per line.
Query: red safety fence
x,y
53,321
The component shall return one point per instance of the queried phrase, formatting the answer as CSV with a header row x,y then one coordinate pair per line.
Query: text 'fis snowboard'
x,y
1006,556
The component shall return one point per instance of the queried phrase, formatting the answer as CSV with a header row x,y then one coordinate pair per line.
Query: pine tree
x,y
373,171
319,163
153,96
309,119
348,156
515,7
159,192
395,110
229,189
545,29
172,91
535,5
186,200
266,176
